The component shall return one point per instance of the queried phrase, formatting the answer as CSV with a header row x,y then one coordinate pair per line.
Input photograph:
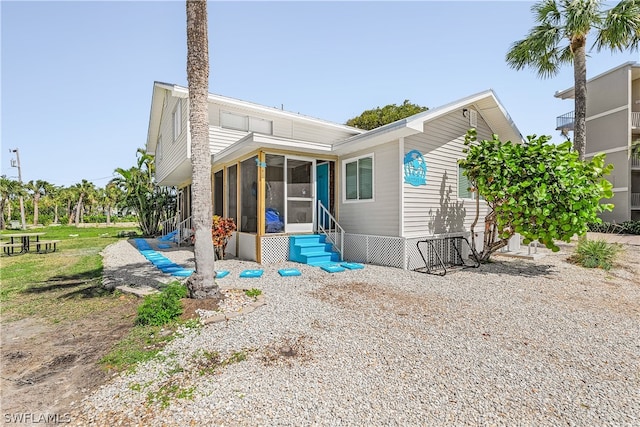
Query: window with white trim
x,y
464,185
177,120
246,123
358,178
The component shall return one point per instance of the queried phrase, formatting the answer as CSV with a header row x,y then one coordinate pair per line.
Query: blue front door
x,y
322,189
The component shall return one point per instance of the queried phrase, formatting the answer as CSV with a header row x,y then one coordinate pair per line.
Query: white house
x,y
279,174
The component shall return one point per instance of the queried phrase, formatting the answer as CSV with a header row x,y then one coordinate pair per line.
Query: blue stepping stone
x,y
352,265
251,273
182,273
332,268
171,269
285,272
164,246
222,273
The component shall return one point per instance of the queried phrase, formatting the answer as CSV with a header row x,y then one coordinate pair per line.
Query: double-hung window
x,y
358,178
464,186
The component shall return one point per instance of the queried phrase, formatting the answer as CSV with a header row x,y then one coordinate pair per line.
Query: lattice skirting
x,y
396,252
274,249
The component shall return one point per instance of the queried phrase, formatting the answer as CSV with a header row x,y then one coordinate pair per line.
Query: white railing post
x,y
333,229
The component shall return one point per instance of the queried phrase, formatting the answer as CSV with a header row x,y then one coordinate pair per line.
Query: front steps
x,y
311,249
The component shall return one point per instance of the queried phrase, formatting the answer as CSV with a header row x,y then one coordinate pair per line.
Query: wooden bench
x,y
44,246
9,248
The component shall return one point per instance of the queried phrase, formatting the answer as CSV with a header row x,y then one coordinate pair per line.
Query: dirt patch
x,y
48,366
190,307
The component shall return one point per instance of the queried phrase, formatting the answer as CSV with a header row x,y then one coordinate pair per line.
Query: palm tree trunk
x,y
36,200
79,209
202,283
580,79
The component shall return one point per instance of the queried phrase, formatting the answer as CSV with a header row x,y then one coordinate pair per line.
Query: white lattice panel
x,y
355,247
388,251
274,249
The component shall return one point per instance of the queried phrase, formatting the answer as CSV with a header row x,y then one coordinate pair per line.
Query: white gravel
x,y
515,342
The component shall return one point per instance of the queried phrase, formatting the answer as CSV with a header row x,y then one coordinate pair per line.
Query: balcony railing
x,y
635,160
565,121
635,119
635,200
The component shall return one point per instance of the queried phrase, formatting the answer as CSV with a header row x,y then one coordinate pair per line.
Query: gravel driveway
x,y
516,342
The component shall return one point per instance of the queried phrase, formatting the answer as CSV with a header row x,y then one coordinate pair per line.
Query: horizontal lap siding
x,y
283,127
172,152
220,138
436,208
382,216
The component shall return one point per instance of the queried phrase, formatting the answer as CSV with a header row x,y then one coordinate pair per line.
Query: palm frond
x,y
620,29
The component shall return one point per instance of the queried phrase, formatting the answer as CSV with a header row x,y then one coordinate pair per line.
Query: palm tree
x,y
140,192
38,188
83,189
561,38
7,187
112,195
202,282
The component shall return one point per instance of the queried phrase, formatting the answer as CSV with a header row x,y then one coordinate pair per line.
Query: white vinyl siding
x,y
177,120
437,208
381,215
174,152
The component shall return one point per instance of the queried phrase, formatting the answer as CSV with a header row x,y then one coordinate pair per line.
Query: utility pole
x,y
16,164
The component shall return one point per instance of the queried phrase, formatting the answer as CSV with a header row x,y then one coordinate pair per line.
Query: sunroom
x,y
272,188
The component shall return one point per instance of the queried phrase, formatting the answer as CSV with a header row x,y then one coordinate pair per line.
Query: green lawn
x,y
60,285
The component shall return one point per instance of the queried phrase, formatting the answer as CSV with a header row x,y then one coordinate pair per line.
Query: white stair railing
x,y
328,225
184,231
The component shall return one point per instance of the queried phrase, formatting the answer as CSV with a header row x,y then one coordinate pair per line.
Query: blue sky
x,y
77,76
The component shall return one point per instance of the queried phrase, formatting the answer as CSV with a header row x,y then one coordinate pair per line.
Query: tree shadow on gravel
x,y
515,268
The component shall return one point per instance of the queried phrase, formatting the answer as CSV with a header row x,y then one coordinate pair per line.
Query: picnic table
x,y
25,242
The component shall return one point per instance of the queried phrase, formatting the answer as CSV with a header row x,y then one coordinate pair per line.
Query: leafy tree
x,y
371,119
542,191
148,200
561,38
201,284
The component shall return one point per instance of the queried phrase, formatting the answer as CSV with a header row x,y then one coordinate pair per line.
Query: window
x,y
358,178
245,123
232,188
159,148
218,193
177,120
464,185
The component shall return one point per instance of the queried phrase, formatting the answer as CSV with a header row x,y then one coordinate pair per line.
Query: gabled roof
x,y
160,88
485,103
570,92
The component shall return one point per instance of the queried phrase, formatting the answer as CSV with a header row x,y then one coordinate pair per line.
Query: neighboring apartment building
x,y
613,126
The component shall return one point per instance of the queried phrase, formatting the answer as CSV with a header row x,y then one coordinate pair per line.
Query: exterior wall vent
x,y
473,118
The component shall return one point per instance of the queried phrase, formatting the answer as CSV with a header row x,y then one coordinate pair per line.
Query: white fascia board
x,y
254,141
570,92
415,124
183,92
155,115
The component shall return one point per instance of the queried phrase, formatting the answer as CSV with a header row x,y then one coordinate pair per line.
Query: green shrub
x,y
631,227
595,253
159,309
